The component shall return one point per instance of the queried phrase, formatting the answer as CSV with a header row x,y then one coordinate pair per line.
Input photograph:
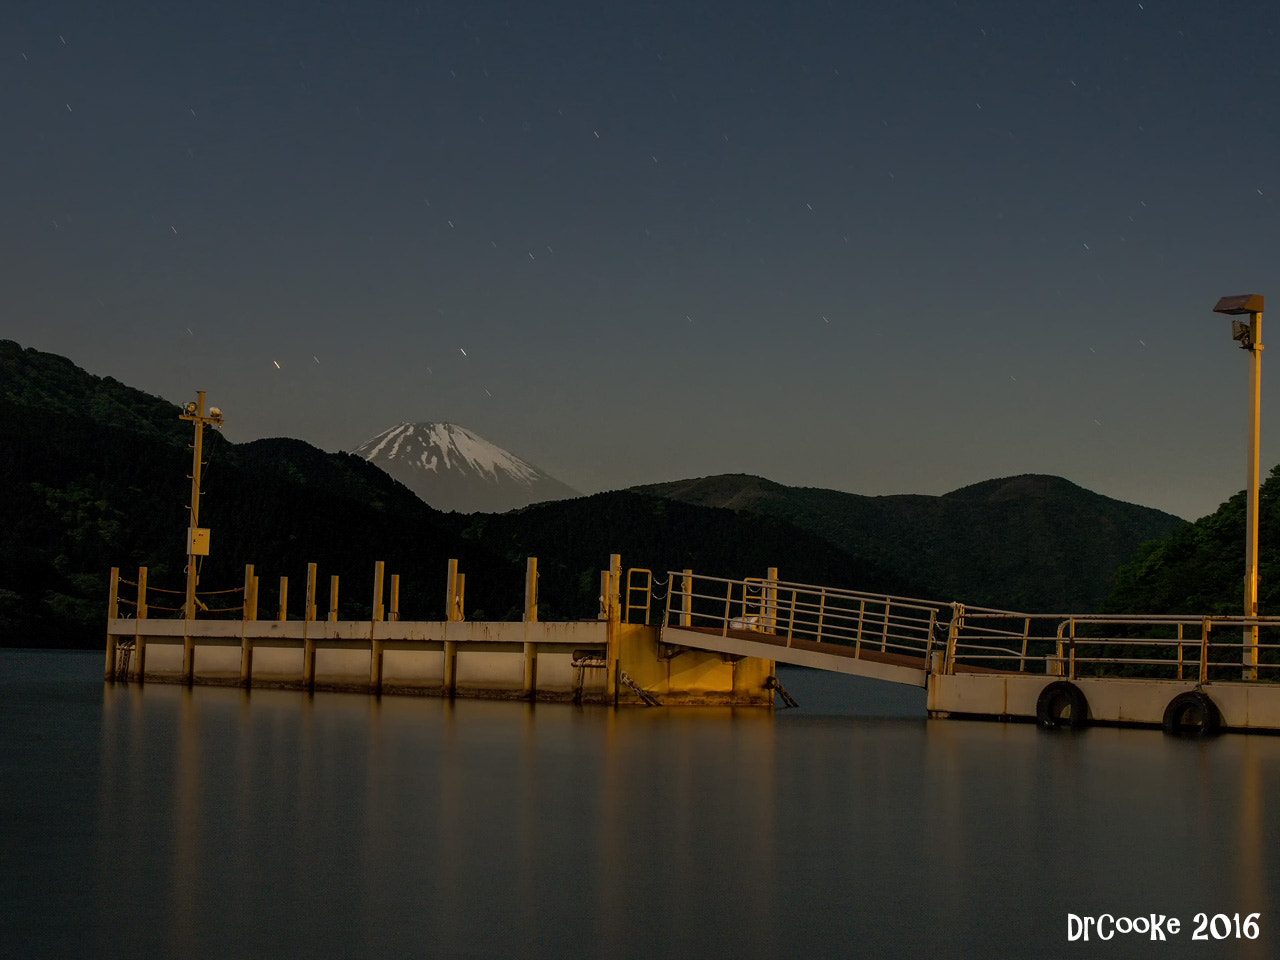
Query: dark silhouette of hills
x,y
1031,542
95,474
570,536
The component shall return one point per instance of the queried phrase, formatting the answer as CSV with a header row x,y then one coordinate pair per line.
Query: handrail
x,y
647,589
1066,644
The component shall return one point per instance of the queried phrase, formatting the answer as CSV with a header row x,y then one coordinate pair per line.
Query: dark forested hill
x,y
95,474
570,536
31,379
1200,568
80,494
1027,543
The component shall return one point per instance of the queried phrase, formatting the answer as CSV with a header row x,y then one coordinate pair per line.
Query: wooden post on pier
x,y
379,575
310,609
531,590
284,599
451,592
140,611
375,645
530,616
395,598
333,597
248,591
308,637
113,612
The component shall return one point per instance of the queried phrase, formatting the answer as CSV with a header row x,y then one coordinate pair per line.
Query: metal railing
x,y
1180,647
1174,647
794,612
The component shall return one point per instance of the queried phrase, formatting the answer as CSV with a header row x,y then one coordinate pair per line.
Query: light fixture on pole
x,y
1249,336
197,536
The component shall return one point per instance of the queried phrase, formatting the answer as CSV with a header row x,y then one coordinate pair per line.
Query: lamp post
x,y
197,537
1249,336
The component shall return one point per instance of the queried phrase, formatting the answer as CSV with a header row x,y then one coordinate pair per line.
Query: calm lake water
x,y
164,822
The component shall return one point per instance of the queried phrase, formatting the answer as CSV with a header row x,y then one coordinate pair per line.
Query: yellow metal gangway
x,y
1062,669
892,638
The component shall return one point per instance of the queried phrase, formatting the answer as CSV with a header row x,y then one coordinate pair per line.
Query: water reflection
x,y
224,823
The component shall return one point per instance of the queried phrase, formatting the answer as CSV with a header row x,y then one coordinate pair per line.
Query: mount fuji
x,y
452,468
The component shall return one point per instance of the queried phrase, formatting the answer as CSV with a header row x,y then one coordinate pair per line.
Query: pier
x,y
1187,674
607,660
692,639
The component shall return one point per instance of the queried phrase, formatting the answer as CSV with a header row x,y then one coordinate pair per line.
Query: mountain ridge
x,y
95,475
1030,541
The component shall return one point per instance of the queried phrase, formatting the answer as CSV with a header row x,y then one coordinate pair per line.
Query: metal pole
x,y
189,608
1251,536
195,413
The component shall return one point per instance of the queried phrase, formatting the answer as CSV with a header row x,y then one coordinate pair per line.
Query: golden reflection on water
x,y
550,830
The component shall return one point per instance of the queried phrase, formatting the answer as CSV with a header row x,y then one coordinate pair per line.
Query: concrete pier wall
x,y
1111,700
529,659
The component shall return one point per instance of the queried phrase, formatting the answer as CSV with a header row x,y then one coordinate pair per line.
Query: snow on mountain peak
x,y
452,468
433,446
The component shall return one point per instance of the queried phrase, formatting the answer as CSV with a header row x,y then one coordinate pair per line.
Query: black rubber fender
x,y
1060,705
1192,714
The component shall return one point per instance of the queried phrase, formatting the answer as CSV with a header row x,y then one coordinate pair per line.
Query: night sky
x,y
877,247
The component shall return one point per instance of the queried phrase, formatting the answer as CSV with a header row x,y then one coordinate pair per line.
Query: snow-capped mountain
x,y
452,468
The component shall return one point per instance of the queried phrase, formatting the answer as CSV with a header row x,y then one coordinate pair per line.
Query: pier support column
x,y
308,634
530,616
450,682
611,581
188,641
246,661
375,645
453,608
140,611
246,641
113,613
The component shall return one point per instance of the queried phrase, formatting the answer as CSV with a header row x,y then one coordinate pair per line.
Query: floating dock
x,y
718,641
1187,674
605,660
